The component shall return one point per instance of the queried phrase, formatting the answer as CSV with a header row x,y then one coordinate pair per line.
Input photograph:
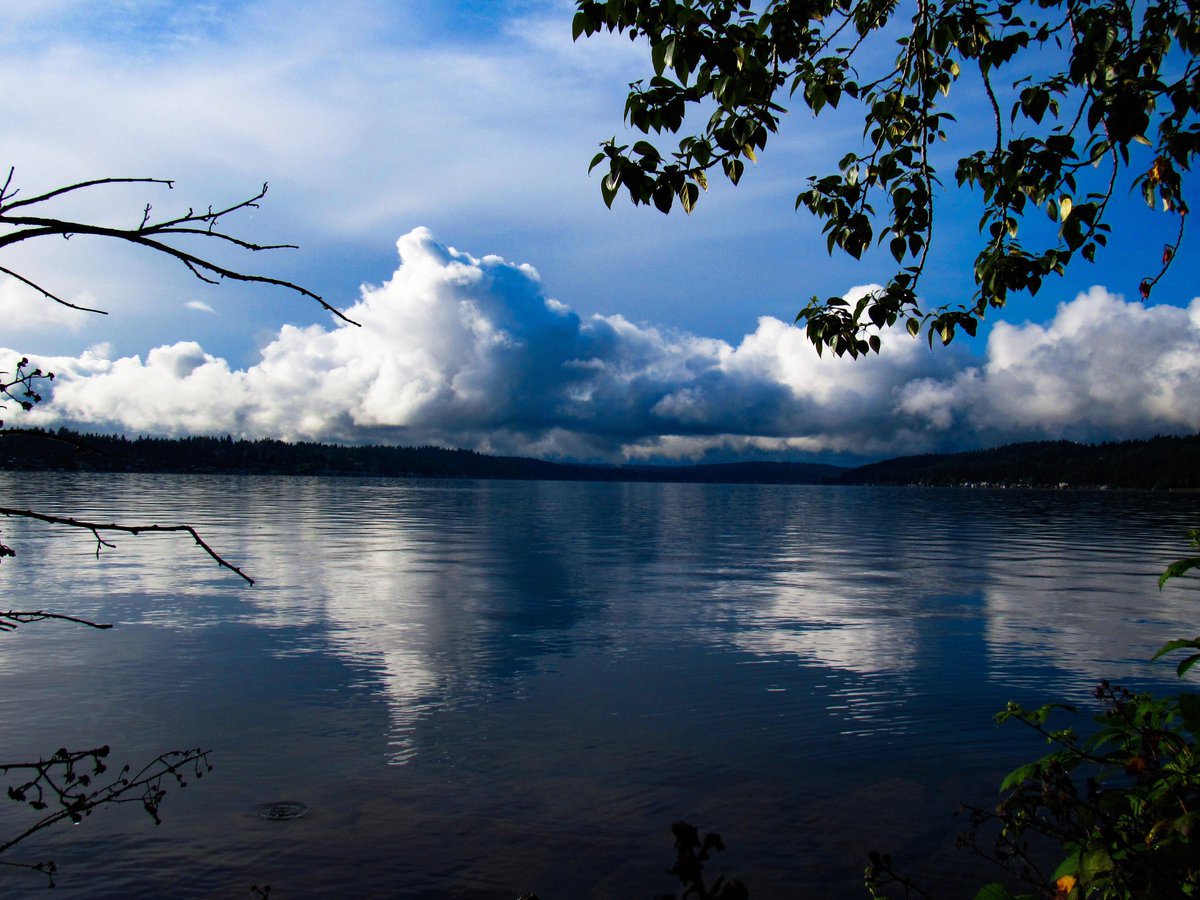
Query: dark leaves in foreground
x,y
691,853
71,783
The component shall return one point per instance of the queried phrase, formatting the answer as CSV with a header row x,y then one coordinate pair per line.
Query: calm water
x,y
485,688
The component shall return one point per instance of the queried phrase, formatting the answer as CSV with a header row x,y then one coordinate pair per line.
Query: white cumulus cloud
x,y
1102,367
465,351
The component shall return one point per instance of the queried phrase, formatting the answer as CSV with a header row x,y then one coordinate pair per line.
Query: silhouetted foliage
x,y
1120,805
71,784
1084,99
691,853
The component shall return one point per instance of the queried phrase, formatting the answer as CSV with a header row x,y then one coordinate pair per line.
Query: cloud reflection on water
x,y
555,660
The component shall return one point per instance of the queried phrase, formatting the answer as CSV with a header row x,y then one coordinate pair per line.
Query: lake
x,y
487,688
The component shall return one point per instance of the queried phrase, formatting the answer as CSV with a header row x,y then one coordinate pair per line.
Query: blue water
x,y
487,688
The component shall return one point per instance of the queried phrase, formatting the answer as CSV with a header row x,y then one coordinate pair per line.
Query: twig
x,y
65,780
147,234
96,527
49,296
10,619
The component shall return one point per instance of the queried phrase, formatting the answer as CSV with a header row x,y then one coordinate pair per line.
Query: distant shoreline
x,y
1160,463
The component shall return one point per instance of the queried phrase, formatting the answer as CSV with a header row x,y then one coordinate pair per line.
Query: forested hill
x,y
1154,464
68,451
1158,463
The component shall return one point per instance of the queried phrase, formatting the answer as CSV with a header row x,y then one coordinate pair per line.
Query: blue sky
x,y
557,327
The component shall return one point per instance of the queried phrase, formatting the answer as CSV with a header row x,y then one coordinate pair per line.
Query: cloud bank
x,y
463,351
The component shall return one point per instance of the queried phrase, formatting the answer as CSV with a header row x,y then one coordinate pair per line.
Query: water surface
x,y
486,688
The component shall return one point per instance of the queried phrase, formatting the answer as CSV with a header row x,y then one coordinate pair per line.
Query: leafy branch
x,y
68,786
1116,82
691,853
21,385
1123,804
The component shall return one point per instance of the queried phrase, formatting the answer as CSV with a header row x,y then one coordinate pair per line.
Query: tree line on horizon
x,y
1159,463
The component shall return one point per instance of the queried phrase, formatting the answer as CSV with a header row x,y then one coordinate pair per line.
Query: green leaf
x,y
1069,866
658,55
994,891
1182,668
662,55
733,171
1178,644
578,25
1177,568
1187,824
1189,709
608,188
688,195
1095,862
1020,775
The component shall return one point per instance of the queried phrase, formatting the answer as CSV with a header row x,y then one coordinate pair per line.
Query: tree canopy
x,y
1085,98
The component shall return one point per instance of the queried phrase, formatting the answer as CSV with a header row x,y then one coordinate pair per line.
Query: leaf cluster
x,y
1116,88
71,784
21,385
1122,805
691,853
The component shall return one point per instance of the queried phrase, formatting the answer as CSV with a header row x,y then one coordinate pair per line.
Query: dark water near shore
x,y
486,688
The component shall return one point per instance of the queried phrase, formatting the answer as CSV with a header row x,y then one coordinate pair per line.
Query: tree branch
x,y
79,186
65,781
147,234
97,527
45,293
10,619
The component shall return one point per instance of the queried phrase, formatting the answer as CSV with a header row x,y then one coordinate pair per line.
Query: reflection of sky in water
x,y
613,652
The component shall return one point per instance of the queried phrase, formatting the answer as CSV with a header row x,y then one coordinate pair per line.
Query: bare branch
x,y
82,185
45,293
4,194
221,236
10,619
148,234
209,215
43,227
97,527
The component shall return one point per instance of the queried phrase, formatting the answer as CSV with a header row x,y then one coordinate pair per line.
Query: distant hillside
x,y
1157,463
67,451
